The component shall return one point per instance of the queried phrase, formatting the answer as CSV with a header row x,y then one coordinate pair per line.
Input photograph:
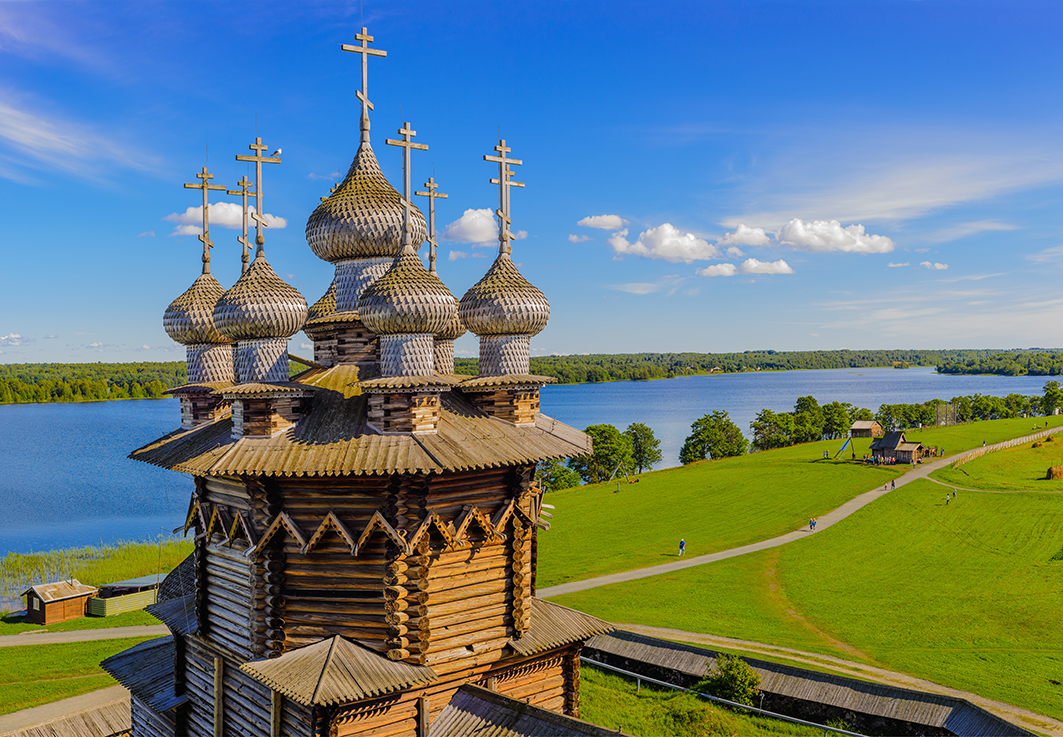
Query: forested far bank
x,y
87,382
645,366
31,383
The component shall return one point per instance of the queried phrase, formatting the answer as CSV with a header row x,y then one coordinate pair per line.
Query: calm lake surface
x,y
65,480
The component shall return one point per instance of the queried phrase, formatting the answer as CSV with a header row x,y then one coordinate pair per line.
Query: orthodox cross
x,y
244,185
363,94
406,143
504,182
204,184
431,194
258,147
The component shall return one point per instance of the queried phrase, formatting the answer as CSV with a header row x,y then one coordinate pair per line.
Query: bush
x,y
731,678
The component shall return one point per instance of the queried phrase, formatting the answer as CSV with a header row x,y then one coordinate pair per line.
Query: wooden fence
x,y
98,607
979,452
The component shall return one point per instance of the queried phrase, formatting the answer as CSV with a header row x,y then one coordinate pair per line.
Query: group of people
x,y
812,523
880,460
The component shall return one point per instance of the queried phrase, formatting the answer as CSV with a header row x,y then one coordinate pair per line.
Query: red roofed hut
x,y
51,603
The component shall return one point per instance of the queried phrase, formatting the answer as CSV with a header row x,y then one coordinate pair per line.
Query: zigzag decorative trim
x,y
474,515
333,522
282,520
433,520
190,518
240,525
377,522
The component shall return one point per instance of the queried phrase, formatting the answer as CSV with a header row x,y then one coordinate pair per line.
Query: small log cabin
x,y
866,429
366,533
896,446
51,603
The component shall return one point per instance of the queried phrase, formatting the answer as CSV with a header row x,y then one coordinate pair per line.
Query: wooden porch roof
x,y
553,625
477,711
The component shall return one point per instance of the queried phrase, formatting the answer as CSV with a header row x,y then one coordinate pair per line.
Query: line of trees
x,y
1011,363
643,366
616,454
86,382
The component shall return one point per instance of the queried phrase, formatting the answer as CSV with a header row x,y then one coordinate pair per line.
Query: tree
x,y
836,420
645,447
554,475
1052,399
713,436
772,430
731,678
612,453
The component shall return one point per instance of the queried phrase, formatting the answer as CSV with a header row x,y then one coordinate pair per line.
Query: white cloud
x,y
307,346
829,235
14,339
520,235
665,242
752,266
735,252
962,230
718,270
579,238
149,233
455,255
333,177
1048,256
933,266
897,266
603,222
222,214
637,287
50,337
743,235
474,226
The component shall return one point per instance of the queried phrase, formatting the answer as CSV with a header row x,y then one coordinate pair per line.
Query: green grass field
x,y
611,701
32,675
1022,468
717,505
15,625
966,595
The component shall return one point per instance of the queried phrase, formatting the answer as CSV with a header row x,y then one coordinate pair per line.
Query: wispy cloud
x,y
962,230
147,233
973,277
933,266
897,266
333,177
14,339
1051,255
603,222
47,142
668,285
578,238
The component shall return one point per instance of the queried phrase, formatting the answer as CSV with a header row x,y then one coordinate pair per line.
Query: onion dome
x,y
260,305
407,299
190,318
363,218
504,303
454,329
325,306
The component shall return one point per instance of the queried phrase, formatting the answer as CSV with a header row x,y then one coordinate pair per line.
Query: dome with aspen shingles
x,y
504,303
363,217
190,318
260,305
454,329
407,299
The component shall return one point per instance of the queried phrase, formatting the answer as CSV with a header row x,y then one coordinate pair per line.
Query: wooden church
x,y
366,531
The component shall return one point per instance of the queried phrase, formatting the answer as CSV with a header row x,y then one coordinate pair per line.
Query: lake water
x,y
65,480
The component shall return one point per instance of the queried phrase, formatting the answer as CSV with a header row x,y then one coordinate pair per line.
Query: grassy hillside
x,y
966,595
717,505
1017,469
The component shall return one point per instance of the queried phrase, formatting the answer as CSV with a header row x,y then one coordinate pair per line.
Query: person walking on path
x,y
682,547
893,485
811,524
946,499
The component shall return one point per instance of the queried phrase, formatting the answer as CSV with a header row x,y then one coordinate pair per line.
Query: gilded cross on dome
x,y
431,194
406,144
504,182
206,186
258,159
363,94
245,190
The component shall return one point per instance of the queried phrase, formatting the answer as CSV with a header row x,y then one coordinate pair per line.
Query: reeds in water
x,y
92,565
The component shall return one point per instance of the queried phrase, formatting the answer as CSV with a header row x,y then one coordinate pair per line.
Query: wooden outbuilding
x,y
866,429
896,446
51,603
124,596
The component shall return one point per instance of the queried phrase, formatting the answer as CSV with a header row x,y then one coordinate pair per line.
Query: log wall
x,y
409,412
518,406
265,416
149,723
226,598
245,702
197,409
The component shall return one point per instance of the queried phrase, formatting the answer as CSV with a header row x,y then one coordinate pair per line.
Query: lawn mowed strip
x,y
1022,468
727,503
31,675
966,595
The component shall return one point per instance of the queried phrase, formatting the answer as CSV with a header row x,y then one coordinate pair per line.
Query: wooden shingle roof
x,y
60,590
477,711
553,625
334,439
336,671
147,670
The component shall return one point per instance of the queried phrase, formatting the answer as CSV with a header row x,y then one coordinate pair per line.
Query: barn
x,y
895,445
50,603
865,429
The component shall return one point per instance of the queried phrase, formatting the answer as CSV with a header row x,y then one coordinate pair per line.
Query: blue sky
x,y
700,176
